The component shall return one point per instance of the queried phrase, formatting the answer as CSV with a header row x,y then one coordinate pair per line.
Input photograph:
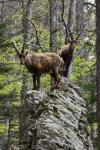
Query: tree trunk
x,y
26,37
80,25
80,18
70,25
80,30
98,66
53,25
26,24
70,21
27,13
71,13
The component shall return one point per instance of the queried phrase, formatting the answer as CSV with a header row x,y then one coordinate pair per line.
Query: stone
x,y
55,120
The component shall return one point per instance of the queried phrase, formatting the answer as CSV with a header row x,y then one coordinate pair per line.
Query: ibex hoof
x,y
37,89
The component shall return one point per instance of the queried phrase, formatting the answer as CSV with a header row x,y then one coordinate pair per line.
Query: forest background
x,y
29,23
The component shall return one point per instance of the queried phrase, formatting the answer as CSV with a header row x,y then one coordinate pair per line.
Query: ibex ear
x,y
22,51
26,53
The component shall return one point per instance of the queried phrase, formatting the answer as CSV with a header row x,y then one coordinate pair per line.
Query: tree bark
x,y
80,24
70,25
53,25
71,13
80,18
26,37
98,66
27,13
70,21
26,24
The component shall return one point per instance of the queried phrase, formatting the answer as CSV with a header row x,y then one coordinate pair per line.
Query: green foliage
x,y
2,129
11,71
46,82
44,34
10,86
90,45
84,73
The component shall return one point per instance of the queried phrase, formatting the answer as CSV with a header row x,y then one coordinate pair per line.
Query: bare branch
x,y
36,32
67,28
62,14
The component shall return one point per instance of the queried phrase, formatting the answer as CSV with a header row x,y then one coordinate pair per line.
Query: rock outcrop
x,y
55,120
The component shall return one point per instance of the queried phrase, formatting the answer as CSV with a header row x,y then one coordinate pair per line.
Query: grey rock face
x,y
55,120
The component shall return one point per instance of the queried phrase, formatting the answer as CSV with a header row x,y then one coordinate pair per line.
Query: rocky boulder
x,y
55,120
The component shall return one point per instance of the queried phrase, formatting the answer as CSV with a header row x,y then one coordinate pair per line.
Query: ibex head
x,y
71,40
21,55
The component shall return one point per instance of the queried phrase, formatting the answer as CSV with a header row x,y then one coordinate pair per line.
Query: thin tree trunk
x,y
98,66
80,18
80,25
9,133
53,25
27,13
70,21
26,24
70,25
26,37
71,13
8,122
80,29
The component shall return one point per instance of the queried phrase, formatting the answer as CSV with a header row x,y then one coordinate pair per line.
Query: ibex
x,y
66,53
38,64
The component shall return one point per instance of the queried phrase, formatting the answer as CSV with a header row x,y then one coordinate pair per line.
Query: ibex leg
x,y
34,82
38,82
